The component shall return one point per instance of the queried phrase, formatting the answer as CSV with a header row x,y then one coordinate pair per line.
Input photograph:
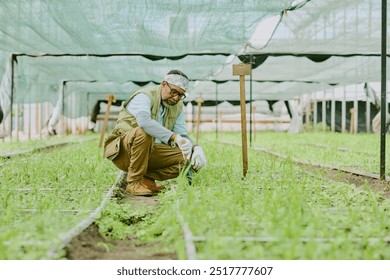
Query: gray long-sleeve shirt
x,y
140,108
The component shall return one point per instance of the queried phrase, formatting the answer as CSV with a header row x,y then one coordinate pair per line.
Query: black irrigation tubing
x,y
68,236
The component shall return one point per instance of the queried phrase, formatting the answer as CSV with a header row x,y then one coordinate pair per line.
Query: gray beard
x,y
166,104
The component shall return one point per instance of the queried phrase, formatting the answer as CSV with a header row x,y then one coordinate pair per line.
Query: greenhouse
x,y
194,130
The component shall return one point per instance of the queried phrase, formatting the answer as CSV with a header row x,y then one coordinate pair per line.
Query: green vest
x,y
126,121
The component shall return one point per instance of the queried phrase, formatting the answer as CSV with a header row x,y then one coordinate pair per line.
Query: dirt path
x,y
91,245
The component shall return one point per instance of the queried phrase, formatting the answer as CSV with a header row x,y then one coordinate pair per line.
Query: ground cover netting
x,y
19,147
44,195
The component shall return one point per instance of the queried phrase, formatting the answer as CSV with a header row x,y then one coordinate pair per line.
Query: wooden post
x,y
352,122
254,122
220,115
110,98
242,70
199,101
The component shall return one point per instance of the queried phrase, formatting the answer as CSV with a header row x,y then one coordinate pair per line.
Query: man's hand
x,y
184,145
198,159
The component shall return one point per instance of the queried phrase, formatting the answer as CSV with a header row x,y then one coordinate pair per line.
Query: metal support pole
x,y
250,103
13,62
383,91
216,111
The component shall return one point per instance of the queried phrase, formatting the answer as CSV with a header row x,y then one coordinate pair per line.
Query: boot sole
x,y
140,194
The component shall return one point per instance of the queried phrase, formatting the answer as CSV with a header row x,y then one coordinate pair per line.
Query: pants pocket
x,y
112,149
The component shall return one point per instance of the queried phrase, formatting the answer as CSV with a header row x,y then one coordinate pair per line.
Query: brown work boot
x,y
138,189
151,185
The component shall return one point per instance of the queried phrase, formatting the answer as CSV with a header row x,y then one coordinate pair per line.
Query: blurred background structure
x,y
315,64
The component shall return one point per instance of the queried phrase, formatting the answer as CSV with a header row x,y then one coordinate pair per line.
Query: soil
x,y
90,245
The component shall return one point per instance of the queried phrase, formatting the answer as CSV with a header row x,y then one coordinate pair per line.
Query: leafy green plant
x,y
290,213
278,211
357,151
116,220
43,195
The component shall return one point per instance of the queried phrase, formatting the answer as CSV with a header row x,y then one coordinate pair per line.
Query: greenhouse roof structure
x,y
295,47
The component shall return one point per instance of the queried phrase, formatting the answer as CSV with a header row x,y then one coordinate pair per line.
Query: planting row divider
x,y
328,166
188,236
67,237
341,149
190,246
39,149
13,154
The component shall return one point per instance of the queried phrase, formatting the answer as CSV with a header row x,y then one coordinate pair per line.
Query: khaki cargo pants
x,y
140,156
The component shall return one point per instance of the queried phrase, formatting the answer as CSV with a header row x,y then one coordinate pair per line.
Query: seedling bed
x,y
18,148
280,210
48,197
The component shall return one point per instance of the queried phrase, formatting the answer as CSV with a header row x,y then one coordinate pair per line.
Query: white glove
x,y
198,159
184,145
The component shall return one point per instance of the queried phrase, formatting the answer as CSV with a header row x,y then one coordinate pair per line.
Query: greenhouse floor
x,y
91,245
